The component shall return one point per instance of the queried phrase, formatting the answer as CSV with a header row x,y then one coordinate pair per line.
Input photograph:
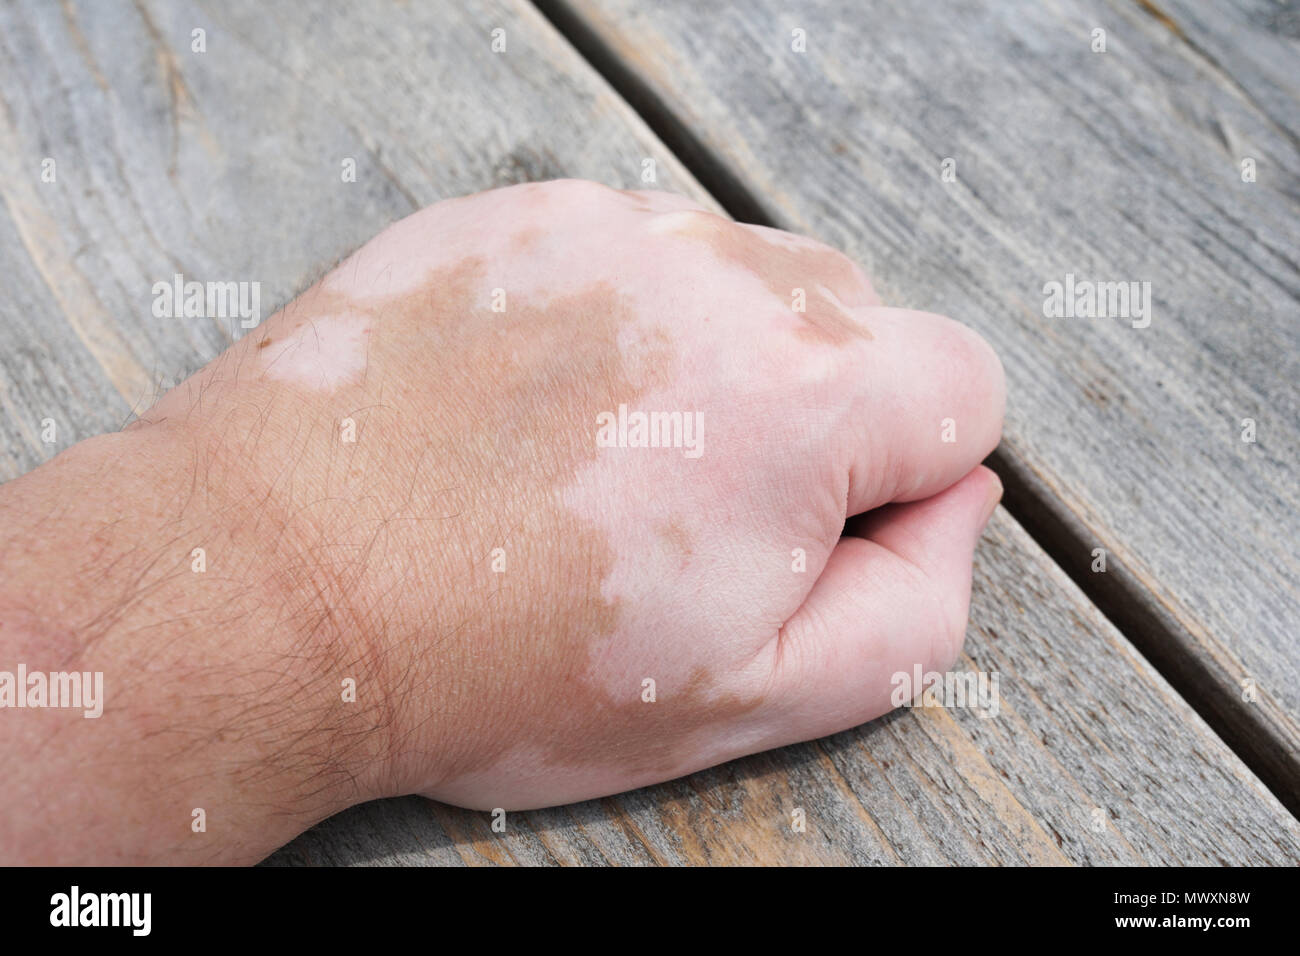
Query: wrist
x,y
225,725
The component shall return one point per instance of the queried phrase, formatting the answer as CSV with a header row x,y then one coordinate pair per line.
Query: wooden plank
x,y
227,164
1122,166
52,391
1251,43
224,165
1091,759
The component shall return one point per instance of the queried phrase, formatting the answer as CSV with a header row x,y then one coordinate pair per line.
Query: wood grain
x,y
1117,166
225,165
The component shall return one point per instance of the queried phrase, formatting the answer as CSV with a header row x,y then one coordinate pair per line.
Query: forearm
x,y
135,556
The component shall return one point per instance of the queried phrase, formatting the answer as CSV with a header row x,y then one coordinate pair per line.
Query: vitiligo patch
x,y
320,353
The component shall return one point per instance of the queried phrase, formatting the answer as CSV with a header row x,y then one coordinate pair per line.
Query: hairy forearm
x,y
224,728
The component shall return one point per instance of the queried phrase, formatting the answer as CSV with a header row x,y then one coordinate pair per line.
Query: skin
x,y
376,560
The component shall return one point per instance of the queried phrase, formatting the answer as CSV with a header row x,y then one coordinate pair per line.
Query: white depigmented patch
x,y
321,353
682,220
788,240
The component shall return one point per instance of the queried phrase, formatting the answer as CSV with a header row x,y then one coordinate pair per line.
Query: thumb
x,y
894,594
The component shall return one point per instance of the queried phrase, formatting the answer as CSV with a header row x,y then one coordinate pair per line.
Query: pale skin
x,y
498,586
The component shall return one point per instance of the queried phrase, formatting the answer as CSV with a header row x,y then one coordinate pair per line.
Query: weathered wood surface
x,y
1117,166
225,165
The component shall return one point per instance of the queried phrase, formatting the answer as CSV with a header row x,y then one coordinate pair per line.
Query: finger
x,y
884,604
930,404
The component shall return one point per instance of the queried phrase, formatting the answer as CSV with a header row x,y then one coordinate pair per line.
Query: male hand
x,y
426,476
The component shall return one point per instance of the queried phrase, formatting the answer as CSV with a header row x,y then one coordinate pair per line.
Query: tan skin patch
x,y
525,239
784,269
678,540
407,519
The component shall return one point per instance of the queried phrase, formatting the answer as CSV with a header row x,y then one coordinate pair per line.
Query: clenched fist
x,y
538,496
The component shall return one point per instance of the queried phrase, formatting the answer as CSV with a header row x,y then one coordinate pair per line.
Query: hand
x,y
423,475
